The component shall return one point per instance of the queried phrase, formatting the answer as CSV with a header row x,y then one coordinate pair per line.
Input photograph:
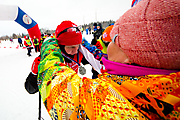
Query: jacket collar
x,y
131,70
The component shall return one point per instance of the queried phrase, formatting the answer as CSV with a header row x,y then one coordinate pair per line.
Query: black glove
x,y
31,84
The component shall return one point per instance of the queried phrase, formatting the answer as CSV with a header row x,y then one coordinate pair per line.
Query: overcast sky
x,y
50,13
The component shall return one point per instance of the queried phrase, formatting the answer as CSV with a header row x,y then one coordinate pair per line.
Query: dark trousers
x,y
95,74
29,51
37,48
20,44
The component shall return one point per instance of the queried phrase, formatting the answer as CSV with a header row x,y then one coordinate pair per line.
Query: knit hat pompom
x,y
67,33
106,34
149,33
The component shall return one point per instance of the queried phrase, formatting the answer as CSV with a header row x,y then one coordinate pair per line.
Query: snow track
x,y
15,65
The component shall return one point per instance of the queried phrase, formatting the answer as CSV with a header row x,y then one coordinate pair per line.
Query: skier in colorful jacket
x,y
142,82
74,50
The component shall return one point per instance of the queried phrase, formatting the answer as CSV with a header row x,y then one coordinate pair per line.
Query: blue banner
x,y
24,20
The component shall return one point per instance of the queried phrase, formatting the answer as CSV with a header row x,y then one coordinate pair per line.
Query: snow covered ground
x,y
15,102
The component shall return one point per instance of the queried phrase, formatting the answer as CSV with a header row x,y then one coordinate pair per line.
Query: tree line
x,y
47,31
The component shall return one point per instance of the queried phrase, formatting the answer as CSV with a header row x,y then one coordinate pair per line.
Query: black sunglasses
x,y
67,29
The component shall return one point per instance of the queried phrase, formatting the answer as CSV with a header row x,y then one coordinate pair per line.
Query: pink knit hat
x,y
149,33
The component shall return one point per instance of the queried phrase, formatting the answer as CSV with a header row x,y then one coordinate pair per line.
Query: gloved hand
x,y
31,81
31,84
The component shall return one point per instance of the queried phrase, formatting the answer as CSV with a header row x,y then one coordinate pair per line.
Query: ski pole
x,y
39,106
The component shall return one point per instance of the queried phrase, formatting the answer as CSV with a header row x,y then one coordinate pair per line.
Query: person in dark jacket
x,y
97,34
36,44
99,31
95,26
20,42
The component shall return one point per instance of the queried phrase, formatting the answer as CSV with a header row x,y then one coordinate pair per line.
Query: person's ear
x,y
115,54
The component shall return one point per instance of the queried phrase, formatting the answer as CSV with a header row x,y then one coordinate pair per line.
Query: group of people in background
x,y
34,43
101,39
29,44
88,30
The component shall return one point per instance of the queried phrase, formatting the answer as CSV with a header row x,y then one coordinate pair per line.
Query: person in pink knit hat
x,y
148,35
146,42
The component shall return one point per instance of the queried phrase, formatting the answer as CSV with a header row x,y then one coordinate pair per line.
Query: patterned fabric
x,y
156,96
67,96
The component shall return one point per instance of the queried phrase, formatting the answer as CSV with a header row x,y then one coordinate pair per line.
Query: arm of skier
x,y
54,76
63,90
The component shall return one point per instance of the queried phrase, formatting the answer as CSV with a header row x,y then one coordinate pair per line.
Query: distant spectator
x,y
36,44
20,42
11,40
82,29
28,44
95,26
89,28
41,41
97,34
99,31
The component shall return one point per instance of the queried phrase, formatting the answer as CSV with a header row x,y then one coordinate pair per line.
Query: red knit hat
x,y
149,33
67,33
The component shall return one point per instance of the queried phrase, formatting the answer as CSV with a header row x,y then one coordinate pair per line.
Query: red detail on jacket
x,y
74,65
34,67
98,45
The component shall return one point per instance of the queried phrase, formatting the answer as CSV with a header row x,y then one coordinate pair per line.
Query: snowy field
x,y
15,102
